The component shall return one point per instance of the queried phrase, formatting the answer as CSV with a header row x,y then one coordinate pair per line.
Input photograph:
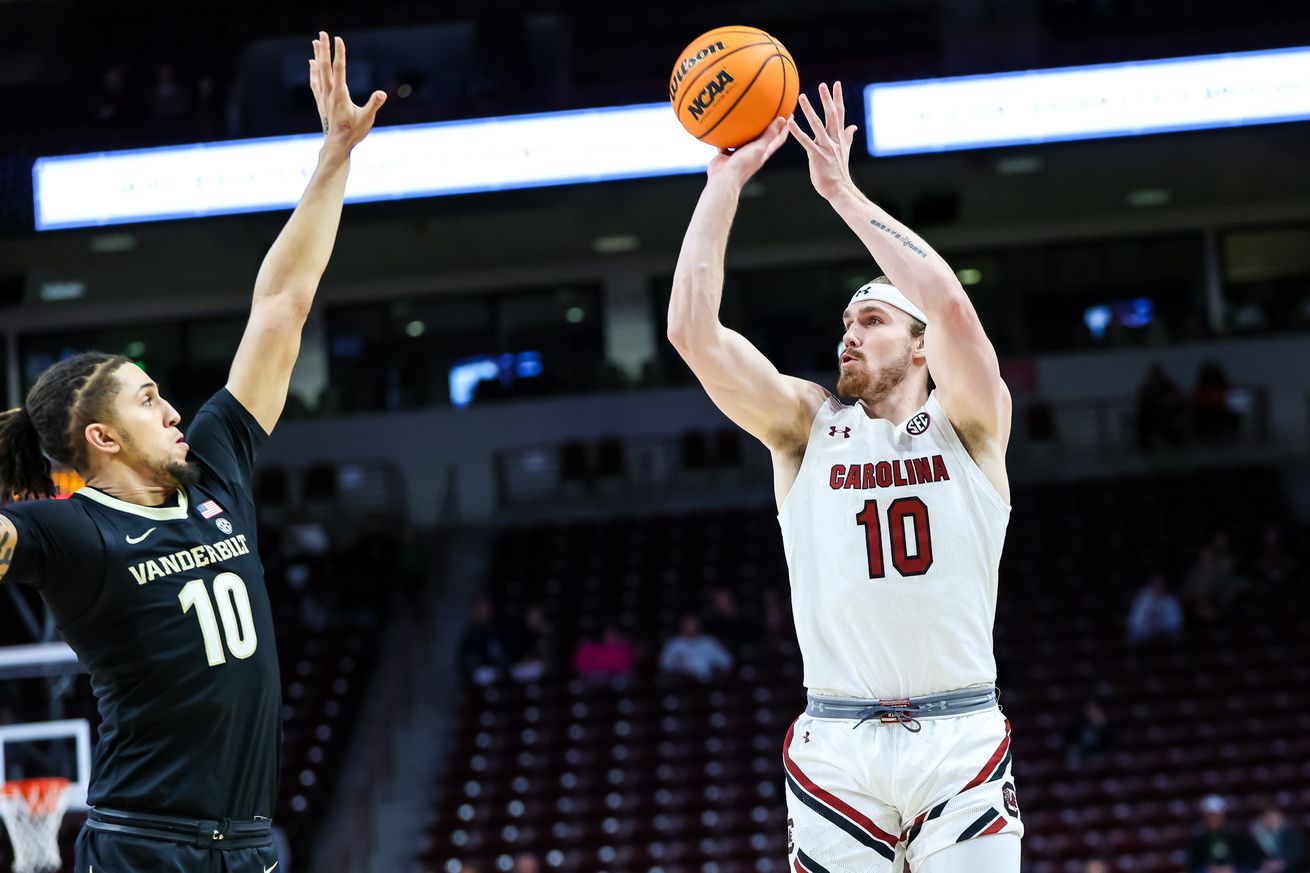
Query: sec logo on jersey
x,y
918,424
224,525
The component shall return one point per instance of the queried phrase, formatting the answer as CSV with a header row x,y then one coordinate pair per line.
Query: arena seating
x,y
671,776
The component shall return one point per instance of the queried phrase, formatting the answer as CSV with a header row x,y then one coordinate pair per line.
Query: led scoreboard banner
x,y
394,163
1103,100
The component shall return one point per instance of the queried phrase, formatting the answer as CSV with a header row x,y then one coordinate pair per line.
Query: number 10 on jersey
x,y
233,609
902,514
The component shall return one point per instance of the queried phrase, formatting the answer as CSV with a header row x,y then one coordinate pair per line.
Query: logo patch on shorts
x,y
791,844
918,424
1011,799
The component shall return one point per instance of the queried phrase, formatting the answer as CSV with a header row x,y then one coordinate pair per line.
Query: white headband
x,y
888,294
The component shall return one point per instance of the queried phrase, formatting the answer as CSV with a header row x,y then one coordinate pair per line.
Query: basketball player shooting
x,y
152,572
893,512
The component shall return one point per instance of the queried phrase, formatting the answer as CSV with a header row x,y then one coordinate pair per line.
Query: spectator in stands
x,y
484,655
315,611
725,622
168,100
776,621
778,635
1217,846
1283,845
526,862
1090,736
208,121
1161,410
1274,565
1212,583
530,646
1096,865
111,100
1211,417
693,653
607,659
1155,612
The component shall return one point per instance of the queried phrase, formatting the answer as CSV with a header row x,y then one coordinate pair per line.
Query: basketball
x,y
729,83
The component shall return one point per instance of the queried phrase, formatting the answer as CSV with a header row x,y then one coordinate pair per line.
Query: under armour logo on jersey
x,y
918,424
845,431
806,738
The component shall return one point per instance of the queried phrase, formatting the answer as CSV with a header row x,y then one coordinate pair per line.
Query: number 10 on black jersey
x,y
234,610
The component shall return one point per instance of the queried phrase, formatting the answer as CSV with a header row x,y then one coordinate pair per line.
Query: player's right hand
x,y
737,166
344,123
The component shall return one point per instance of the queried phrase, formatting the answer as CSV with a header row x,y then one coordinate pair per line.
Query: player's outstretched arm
x,y
8,542
774,408
960,357
289,276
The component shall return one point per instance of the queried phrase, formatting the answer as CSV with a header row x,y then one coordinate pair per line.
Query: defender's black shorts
x,y
101,852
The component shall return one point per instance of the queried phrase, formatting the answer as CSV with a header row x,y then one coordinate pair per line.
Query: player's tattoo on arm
x,y
6,552
906,239
325,124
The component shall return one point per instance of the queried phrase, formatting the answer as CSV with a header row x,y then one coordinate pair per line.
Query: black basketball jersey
x,y
177,632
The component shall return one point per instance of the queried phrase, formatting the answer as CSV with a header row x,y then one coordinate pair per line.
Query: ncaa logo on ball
x,y
224,525
918,424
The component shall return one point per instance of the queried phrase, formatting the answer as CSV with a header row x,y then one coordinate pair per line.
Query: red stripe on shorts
x,y
994,827
995,759
831,799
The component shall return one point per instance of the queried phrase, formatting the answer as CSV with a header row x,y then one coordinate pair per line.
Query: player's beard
x,y
872,385
171,474
179,474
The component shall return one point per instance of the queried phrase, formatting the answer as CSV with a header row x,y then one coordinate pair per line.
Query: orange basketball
x,y
730,83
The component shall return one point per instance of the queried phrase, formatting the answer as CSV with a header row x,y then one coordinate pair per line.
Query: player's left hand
x,y
344,123
830,147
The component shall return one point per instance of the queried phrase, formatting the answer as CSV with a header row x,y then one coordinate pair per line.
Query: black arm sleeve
x,y
224,438
60,553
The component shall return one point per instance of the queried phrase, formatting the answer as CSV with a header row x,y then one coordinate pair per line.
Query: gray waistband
x,y
896,711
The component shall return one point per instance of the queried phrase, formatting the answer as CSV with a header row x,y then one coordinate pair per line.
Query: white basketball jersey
x,y
893,538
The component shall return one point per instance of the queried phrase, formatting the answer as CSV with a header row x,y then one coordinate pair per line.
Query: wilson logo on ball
x,y
687,63
729,84
696,108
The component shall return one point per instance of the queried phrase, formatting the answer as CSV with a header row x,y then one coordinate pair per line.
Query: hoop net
x,y
32,810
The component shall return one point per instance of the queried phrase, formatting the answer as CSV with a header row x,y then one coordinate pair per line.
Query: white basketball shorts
x,y
881,798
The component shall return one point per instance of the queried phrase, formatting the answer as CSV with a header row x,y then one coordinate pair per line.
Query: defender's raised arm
x,y
289,276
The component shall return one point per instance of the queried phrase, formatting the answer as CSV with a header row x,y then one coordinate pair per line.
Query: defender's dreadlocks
x,y
68,396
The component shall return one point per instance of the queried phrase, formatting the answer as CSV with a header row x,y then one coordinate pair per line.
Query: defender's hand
x,y
830,147
344,123
739,165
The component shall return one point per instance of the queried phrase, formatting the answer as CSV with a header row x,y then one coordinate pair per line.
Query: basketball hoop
x,y
32,810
